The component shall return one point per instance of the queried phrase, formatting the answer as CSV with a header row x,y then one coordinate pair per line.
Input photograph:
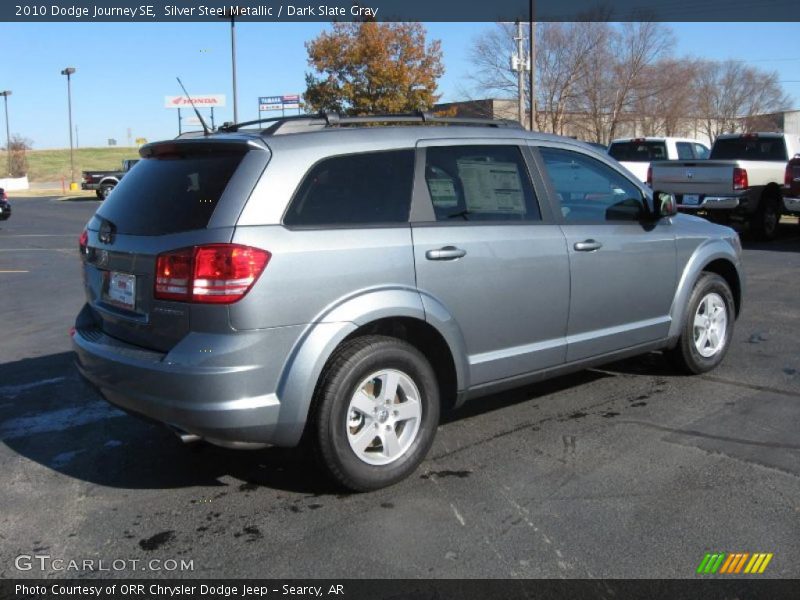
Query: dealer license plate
x,y
691,199
122,289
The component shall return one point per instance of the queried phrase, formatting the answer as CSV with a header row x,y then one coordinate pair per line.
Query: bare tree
x,y
562,62
490,57
730,95
665,96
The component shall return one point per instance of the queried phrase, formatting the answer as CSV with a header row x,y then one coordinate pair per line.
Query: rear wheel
x,y
708,329
377,409
104,191
764,223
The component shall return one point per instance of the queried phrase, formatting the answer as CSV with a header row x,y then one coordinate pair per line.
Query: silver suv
x,y
342,280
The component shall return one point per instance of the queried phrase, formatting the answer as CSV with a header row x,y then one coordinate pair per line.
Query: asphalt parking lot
x,y
623,472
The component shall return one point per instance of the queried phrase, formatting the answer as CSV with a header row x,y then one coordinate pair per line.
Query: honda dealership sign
x,y
206,101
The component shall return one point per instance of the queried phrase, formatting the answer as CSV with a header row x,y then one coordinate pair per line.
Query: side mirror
x,y
664,205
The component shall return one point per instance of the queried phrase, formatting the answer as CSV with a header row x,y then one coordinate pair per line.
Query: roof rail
x,y
294,123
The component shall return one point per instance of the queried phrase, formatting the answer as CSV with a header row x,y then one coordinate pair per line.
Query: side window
x,y
355,189
700,151
589,190
480,183
684,150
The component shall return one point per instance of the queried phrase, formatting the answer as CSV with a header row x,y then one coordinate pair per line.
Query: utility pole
x,y
5,94
518,61
532,59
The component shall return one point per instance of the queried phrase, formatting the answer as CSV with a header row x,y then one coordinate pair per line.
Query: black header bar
x,y
150,11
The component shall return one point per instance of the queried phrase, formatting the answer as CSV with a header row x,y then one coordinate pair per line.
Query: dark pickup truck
x,y
791,186
105,181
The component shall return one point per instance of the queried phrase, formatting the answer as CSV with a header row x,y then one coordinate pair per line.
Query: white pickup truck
x,y
635,154
740,182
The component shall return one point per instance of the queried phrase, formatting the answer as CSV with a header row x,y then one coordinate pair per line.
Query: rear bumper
x,y
713,203
89,186
221,397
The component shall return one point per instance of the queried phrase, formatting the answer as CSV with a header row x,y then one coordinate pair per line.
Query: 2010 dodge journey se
x,y
342,280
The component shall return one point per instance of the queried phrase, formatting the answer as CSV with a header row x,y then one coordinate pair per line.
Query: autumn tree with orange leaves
x,y
369,67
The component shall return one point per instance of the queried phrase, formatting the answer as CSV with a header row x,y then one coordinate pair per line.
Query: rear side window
x,y
642,151
479,183
684,151
700,151
355,189
749,148
169,194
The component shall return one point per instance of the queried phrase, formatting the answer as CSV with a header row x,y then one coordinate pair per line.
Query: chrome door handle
x,y
587,246
446,253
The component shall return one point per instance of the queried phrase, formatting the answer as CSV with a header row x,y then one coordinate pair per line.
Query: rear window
x,y
169,194
749,148
355,189
638,151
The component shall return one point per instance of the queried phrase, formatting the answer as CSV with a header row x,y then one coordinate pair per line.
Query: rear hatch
x,y
183,194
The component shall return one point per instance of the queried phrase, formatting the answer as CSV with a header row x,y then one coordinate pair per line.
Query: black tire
x,y
98,194
764,222
685,356
104,191
351,364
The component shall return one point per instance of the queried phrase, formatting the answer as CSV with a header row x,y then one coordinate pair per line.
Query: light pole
x,y
532,59
232,14
68,72
5,94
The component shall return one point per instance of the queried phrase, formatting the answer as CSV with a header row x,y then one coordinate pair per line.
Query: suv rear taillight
x,y
214,273
650,175
792,173
739,179
83,241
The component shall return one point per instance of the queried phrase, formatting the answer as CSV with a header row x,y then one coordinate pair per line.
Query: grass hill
x,y
52,165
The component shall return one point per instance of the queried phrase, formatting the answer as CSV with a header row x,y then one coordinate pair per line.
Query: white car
x,y
635,154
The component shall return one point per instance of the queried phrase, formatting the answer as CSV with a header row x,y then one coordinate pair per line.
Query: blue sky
x,y
125,69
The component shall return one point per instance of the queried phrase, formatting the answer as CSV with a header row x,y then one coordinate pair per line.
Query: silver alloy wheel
x,y
384,416
710,325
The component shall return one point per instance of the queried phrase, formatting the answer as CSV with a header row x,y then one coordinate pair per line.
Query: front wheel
x,y
377,409
708,329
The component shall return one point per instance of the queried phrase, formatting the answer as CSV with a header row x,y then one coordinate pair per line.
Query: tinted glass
x,y
355,189
480,183
700,151
589,190
749,148
684,151
638,151
169,194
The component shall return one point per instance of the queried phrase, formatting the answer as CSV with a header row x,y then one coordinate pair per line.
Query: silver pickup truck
x,y
739,183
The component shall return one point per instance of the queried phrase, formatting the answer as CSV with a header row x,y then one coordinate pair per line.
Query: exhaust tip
x,y
185,436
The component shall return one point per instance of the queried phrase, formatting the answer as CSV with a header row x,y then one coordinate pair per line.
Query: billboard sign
x,y
278,102
270,103
204,101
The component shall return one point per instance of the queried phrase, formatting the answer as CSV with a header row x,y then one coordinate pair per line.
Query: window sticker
x,y
443,193
491,186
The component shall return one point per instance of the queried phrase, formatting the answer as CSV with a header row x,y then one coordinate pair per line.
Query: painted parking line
x,y
12,391
57,420
2,271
